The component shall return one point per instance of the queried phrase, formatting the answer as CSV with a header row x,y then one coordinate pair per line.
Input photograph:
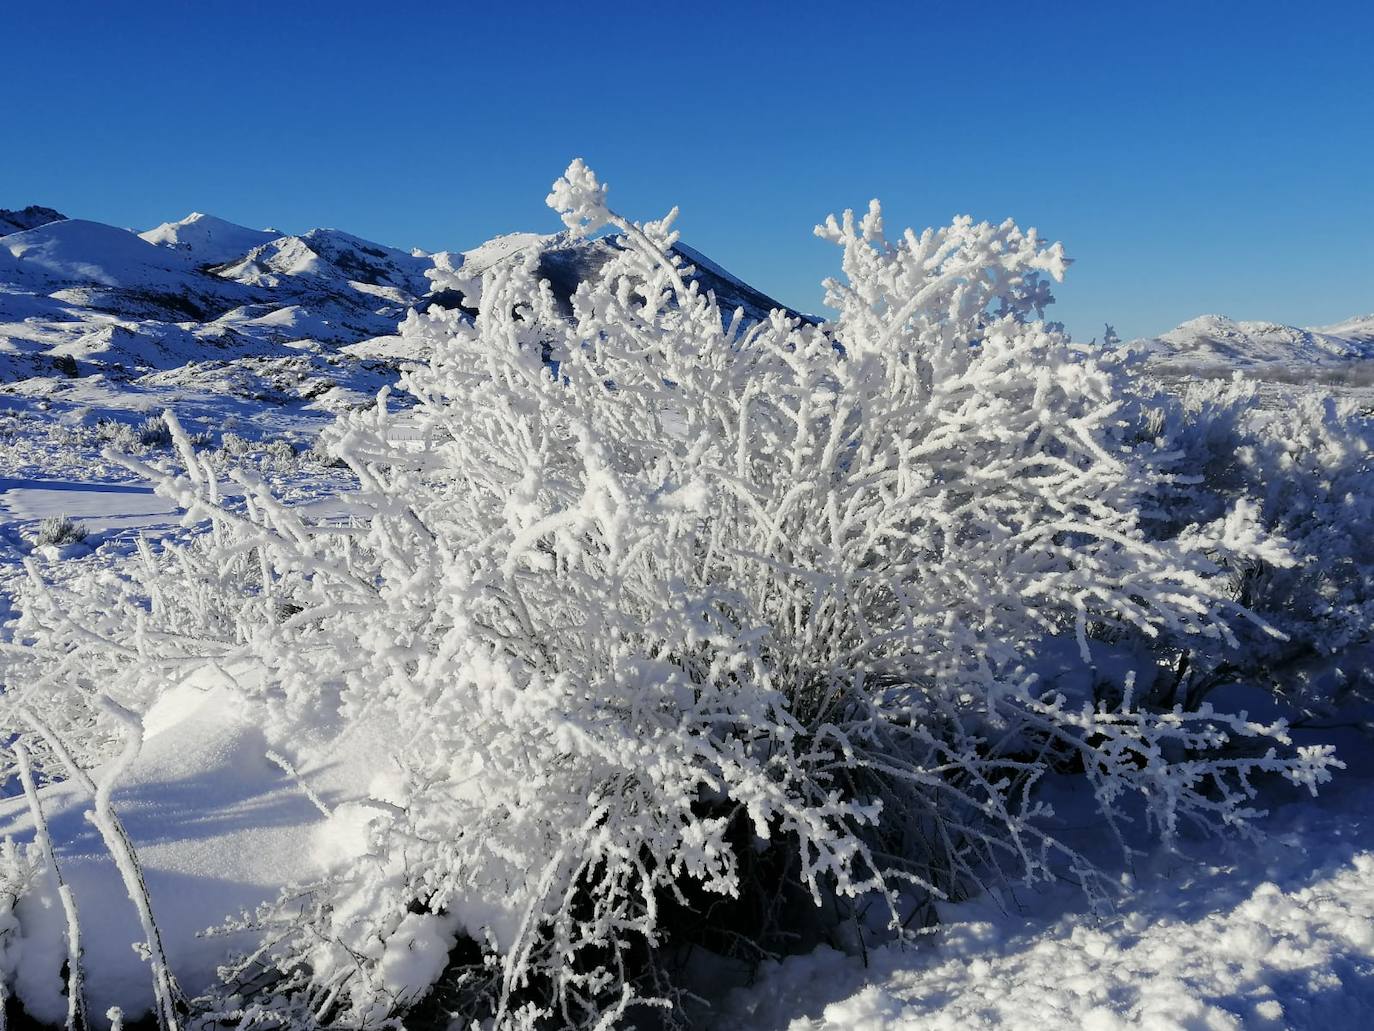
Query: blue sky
x,y
1192,157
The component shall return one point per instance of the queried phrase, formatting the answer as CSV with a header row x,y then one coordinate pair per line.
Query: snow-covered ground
x,y
1221,935
256,339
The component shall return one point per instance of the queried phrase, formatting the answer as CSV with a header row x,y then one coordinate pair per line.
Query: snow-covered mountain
x,y
79,298
1217,342
565,262
1358,330
202,303
210,240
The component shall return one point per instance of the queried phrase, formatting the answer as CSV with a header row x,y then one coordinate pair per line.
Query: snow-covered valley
x,y
239,803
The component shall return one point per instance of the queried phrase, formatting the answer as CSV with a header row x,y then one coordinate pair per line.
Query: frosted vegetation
x,y
673,635
59,530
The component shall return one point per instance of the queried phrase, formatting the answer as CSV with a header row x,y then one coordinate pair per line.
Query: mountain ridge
x,y
1217,341
81,298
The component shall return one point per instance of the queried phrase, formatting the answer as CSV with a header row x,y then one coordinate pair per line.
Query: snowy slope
x,y
1358,330
731,291
77,252
76,271
502,248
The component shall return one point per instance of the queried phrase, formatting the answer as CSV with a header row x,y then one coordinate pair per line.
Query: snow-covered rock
x,y
31,217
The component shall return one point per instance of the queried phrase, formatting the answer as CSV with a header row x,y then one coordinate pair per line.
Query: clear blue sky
x,y
1192,157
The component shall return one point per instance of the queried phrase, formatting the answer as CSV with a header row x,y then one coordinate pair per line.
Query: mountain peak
x,y
21,219
208,239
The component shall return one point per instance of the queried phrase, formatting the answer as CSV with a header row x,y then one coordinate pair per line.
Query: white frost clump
x,y
1306,474
651,608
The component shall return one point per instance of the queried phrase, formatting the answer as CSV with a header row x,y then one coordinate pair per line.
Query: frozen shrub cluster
x,y
274,455
653,610
148,434
59,530
118,435
152,433
1307,469
234,445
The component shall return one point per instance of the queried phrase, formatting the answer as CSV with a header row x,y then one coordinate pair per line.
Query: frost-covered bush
x,y
234,445
266,456
679,631
118,435
1307,468
59,530
152,432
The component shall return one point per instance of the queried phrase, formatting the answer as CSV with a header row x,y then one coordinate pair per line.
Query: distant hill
x,y
1217,343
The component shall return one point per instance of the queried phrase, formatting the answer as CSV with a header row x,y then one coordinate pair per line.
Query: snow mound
x,y
210,240
219,829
